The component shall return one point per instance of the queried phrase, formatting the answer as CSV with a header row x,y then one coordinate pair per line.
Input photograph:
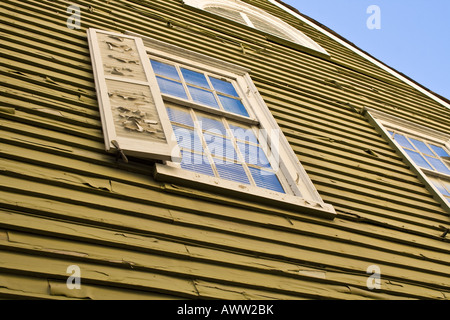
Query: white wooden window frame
x,y
246,9
384,122
302,195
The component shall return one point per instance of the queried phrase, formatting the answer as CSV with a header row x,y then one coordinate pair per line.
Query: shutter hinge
x,y
120,152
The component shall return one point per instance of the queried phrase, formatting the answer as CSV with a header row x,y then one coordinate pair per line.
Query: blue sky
x,y
414,35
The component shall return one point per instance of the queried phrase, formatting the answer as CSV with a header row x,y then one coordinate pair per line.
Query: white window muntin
x,y
214,159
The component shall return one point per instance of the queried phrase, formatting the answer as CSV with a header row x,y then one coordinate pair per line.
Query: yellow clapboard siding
x,y
44,102
50,267
86,182
141,243
48,88
380,203
116,207
170,266
26,287
193,267
91,252
59,74
46,111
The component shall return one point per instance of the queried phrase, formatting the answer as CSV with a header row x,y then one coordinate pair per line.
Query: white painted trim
x,y
297,176
292,33
247,19
362,54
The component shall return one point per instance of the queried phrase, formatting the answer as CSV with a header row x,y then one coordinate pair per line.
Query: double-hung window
x,y
201,119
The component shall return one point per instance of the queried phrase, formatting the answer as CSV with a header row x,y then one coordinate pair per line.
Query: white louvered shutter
x,y
133,114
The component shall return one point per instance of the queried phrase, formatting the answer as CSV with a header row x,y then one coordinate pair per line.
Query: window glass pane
x,y
187,138
422,147
165,69
245,134
447,185
180,116
403,141
439,151
438,165
266,179
211,125
195,78
231,171
254,155
203,97
233,105
223,86
171,87
196,162
220,147
418,159
440,186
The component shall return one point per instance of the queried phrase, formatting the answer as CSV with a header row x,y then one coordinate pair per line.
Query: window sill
x,y
172,174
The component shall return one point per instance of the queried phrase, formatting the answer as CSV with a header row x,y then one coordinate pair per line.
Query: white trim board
x,y
362,54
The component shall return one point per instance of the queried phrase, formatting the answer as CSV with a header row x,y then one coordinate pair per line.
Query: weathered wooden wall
x,y
64,201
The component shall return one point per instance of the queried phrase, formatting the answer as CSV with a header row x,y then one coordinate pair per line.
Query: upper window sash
x,y
202,90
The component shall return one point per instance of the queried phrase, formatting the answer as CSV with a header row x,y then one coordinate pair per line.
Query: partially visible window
x,y
443,185
432,157
257,18
427,150
425,154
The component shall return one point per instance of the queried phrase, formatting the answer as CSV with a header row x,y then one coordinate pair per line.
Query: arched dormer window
x,y
257,18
